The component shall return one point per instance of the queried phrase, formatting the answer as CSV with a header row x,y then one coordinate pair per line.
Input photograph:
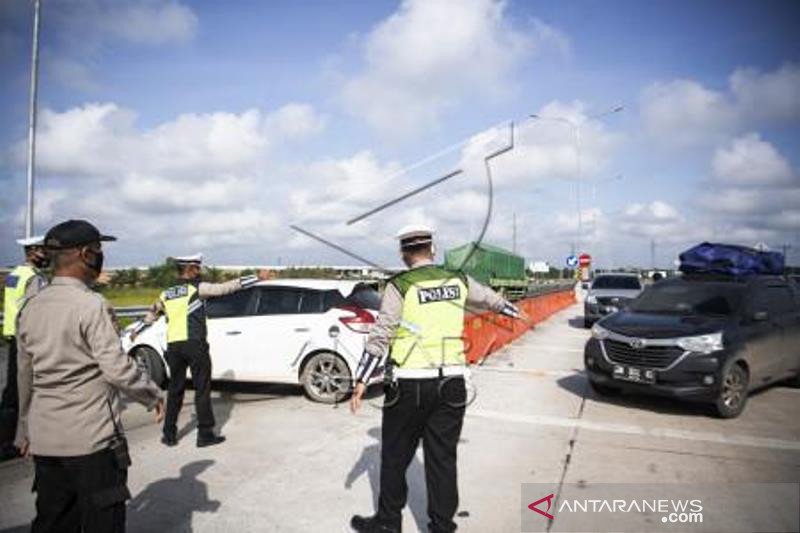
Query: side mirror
x,y
760,316
585,286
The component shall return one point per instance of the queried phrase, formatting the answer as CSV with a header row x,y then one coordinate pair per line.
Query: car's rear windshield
x,y
690,298
365,298
616,282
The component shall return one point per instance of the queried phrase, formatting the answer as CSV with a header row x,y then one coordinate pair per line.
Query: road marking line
x,y
532,371
554,348
629,429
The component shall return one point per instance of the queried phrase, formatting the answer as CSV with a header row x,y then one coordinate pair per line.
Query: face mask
x,y
96,263
40,260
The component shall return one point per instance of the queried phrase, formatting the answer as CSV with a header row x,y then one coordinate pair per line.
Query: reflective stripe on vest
x,y
16,283
430,334
179,301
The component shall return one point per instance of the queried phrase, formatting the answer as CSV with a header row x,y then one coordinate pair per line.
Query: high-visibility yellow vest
x,y
430,333
180,302
16,283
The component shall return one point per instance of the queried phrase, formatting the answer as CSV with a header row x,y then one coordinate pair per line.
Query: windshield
x,y
711,299
366,298
617,282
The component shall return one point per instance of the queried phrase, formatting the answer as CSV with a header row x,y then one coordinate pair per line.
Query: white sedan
x,y
302,331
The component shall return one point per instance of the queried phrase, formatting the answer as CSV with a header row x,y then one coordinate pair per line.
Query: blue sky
x,y
211,126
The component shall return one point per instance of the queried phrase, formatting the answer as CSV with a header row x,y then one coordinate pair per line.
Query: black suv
x,y
699,338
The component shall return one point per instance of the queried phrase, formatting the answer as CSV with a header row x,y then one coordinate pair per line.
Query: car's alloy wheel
x,y
153,364
733,392
326,378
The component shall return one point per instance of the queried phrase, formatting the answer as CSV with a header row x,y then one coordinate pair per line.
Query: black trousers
x,y
10,398
194,356
85,494
431,410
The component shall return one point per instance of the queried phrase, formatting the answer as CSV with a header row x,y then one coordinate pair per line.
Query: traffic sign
x,y
572,261
585,260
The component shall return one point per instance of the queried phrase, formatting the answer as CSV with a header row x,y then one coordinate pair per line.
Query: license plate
x,y
635,374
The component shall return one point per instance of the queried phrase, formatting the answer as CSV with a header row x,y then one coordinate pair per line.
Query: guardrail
x,y
137,311
121,312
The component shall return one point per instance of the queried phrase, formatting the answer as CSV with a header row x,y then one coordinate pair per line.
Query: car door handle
x,y
302,330
233,333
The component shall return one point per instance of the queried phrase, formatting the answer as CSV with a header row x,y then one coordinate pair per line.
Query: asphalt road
x,y
291,465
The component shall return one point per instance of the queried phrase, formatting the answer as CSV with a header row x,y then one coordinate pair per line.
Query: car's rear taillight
x,y
360,321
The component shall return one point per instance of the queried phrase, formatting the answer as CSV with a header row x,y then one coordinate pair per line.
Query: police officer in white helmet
x,y
418,338
23,282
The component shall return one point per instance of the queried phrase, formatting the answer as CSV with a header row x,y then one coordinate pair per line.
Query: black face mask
x,y
40,260
96,263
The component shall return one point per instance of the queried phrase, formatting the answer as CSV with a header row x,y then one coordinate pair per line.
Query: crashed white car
x,y
302,331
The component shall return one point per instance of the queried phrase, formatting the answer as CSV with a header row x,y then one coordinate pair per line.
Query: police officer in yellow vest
x,y
420,333
184,307
21,283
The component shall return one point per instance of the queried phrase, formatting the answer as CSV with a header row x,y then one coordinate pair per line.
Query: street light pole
x,y
32,119
575,126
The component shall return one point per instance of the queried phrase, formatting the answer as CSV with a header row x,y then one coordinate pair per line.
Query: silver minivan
x,y
607,294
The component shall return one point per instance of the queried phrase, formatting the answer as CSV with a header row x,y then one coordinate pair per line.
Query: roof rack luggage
x,y
730,260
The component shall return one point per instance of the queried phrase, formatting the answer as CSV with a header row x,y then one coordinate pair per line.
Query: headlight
x,y
591,299
702,343
599,332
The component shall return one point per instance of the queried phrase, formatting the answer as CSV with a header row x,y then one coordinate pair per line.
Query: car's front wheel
x,y
733,392
153,364
326,378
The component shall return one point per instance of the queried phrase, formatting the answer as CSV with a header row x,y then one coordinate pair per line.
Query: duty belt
x,y
425,373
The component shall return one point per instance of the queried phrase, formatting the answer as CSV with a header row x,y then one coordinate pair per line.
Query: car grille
x,y
649,356
610,300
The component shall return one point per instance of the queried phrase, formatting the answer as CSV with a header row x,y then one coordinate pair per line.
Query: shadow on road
x,y
169,504
370,464
578,384
577,322
17,529
223,404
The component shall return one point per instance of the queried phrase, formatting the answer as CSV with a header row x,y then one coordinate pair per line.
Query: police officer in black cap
x,y
72,370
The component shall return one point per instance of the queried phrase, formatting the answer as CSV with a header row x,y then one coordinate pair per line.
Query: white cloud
x,y
683,112
141,22
200,178
754,193
102,140
545,148
429,54
751,161
768,95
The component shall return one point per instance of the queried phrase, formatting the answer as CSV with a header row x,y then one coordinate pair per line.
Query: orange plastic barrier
x,y
486,332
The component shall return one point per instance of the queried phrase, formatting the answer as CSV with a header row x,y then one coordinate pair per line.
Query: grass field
x,y
129,297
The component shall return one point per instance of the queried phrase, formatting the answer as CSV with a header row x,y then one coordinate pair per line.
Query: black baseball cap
x,y
73,233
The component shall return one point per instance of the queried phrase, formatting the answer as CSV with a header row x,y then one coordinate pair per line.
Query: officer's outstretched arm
x,y
481,297
212,290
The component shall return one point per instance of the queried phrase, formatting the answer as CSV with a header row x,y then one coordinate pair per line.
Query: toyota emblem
x,y
638,343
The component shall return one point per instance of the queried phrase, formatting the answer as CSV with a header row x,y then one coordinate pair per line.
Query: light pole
x,y
575,126
32,119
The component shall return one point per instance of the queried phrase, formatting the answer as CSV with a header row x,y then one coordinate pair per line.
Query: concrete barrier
x,y
487,332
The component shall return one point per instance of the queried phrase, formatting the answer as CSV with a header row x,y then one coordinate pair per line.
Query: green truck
x,y
502,270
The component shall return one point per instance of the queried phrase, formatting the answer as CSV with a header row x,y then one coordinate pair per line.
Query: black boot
x,y
372,524
169,440
208,438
